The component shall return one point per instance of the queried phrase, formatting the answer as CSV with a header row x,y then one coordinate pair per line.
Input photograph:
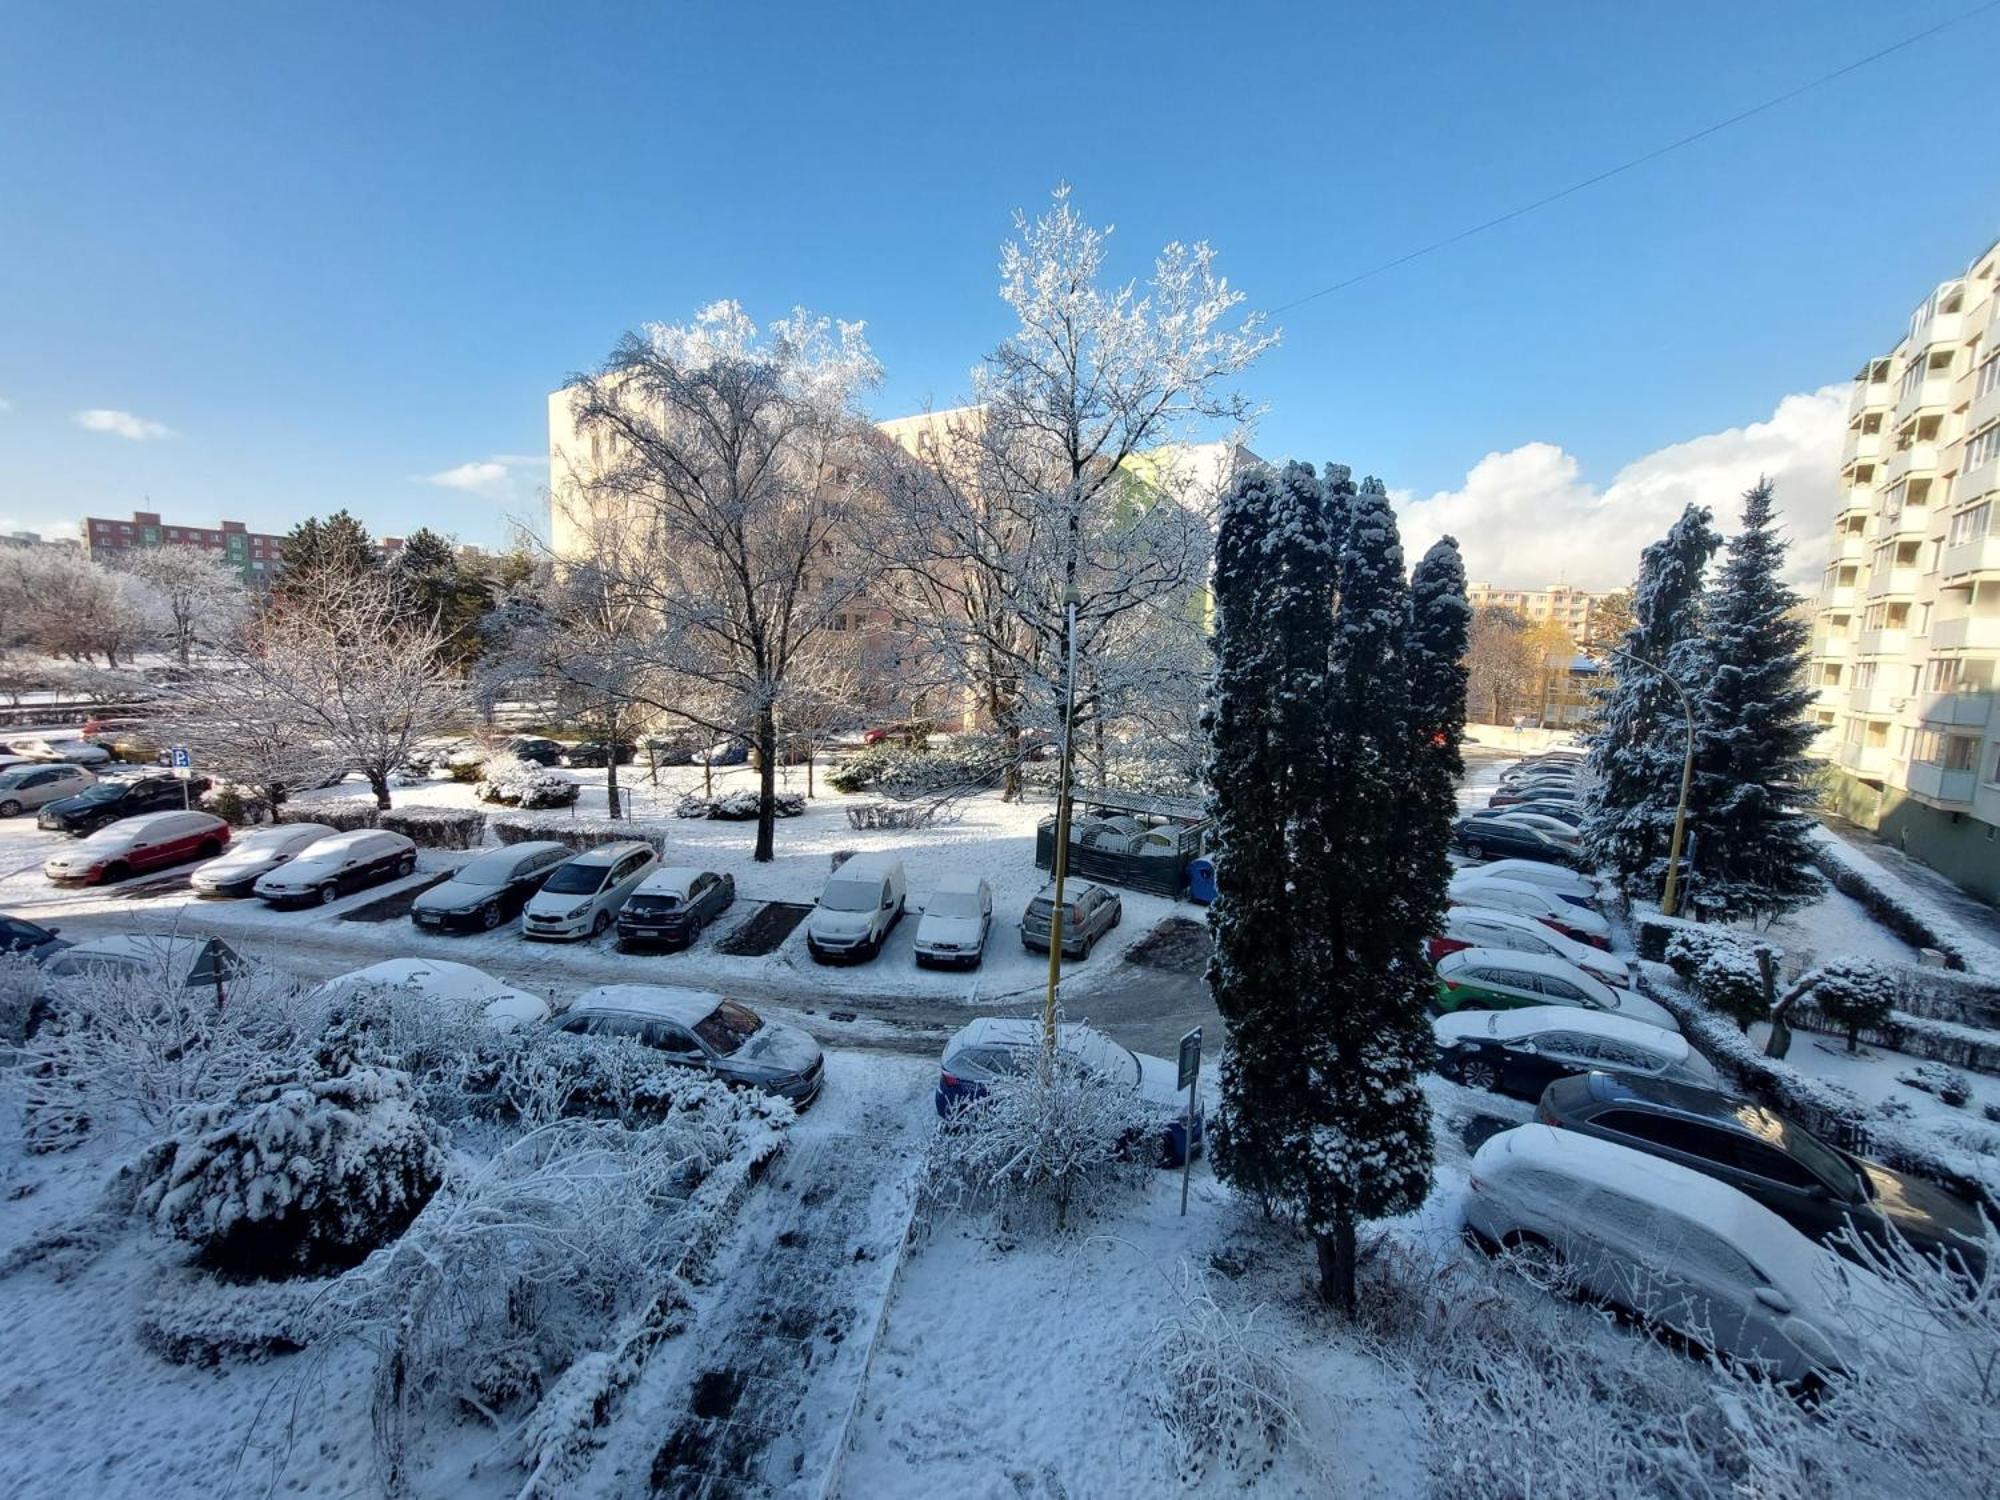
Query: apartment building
x,y
1573,609
257,555
1906,638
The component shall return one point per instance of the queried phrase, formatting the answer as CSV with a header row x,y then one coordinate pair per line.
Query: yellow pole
x,y
1061,861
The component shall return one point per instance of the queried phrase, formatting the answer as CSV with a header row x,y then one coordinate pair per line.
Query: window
x,y
1971,525
1669,1134
1985,445
1941,676
1988,377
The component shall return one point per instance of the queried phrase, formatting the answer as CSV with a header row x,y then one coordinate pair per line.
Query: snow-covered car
x,y
1573,886
1469,889
582,897
255,854
701,1030
1562,812
1521,1052
504,1006
998,1046
1089,912
31,784
1503,979
116,797
30,939
337,866
859,905
673,904
1678,1248
151,841
1486,927
957,915
131,954
490,888
75,752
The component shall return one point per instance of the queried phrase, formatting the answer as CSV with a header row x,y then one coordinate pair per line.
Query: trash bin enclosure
x,y
1129,839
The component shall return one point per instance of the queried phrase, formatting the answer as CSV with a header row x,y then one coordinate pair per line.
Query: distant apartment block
x,y
1906,639
1573,609
257,555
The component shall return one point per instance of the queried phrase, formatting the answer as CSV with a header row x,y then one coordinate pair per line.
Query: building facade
x,y
257,555
1573,609
1906,637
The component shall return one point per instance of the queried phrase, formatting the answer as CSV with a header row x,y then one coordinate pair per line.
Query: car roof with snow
x,y
1535,1020
669,1002
1513,958
672,880
443,979
1085,1042
142,823
958,883
1535,872
610,854
250,840
503,860
170,950
872,866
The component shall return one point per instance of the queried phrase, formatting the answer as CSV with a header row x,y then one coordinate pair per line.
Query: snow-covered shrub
x,y
738,807
1854,874
236,806
577,833
1936,1078
520,783
438,827
305,1170
1146,775
343,817
1051,1144
899,770
21,985
1852,993
1222,1395
1723,971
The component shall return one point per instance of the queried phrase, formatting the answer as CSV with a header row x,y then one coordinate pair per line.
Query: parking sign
x,y
182,761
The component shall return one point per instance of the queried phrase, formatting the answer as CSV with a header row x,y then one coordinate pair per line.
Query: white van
x,y
862,901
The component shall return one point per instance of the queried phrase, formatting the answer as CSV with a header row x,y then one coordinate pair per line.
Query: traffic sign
x,y
1190,1072
216,962
182,761
1190,1059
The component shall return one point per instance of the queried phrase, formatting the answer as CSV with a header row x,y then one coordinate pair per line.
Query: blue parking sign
x,y
182,760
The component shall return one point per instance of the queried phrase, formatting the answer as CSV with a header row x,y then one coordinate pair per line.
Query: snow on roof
x,y
138,823
673,880
670,1002
958,883
1533,1020
280,834
506,857
607,854
868,866
1527,963
1534,872
442,979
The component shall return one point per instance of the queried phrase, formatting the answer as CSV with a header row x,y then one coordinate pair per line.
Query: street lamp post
x,y
1670,895
1061,860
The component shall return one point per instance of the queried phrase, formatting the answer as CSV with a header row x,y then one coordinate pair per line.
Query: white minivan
x,y
582,898
861,902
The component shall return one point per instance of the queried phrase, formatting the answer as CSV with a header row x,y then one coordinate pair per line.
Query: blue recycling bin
x,y
1201,879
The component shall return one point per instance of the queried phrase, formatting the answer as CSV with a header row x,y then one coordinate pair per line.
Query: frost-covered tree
x,y
1636,753
1747,674
1852,993
200,598
1440,618
58,602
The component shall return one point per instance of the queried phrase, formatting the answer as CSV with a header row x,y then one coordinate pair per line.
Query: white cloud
x,y
485,476
1528,517
123,423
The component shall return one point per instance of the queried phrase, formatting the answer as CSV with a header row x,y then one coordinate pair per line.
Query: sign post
x,y
183,764
1190,1074
216,962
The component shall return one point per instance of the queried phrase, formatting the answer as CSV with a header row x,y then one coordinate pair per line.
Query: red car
x,y
130,846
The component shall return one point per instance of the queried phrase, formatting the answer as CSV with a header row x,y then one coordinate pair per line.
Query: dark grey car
x,y
671,906
1090,912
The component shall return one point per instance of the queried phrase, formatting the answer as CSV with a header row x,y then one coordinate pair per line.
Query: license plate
x,y
429,919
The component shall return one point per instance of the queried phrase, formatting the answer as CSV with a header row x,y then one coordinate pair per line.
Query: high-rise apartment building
x,y
1906,639
1573,609
257,555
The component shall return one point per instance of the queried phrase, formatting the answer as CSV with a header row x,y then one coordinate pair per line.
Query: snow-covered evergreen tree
x,y
1636,753
1747,674
1440,619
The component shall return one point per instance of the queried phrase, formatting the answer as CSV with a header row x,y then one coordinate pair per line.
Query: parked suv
x,y
23,787
1089,912
673,905
1786,1168
861,902
582,898
109,801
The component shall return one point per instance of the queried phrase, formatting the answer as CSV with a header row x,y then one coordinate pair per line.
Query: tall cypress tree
x,y
1747,670
1440,622
1636,753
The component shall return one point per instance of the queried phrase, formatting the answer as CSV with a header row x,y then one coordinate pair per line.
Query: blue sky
x,y
337,249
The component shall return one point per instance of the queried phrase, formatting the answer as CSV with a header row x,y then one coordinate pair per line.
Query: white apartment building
x,y
1573,609
1906,638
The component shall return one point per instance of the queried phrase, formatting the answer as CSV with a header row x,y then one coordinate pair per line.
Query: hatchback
x,y
1521,1052
334,867
672,905
535,750
1811,1185
109,801
151,841
703,1032
582,897
1500,979
30,786
1472,888
1556,810
957,914
1483,927
489,888
255,854
1089,911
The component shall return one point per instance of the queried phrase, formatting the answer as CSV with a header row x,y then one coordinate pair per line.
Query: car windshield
x,y
485,872
728,1027
575,880
953,904
71,964
1823,1162
851,895
104,791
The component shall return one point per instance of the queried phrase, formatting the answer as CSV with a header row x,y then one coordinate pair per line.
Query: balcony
x,y
1869,760
1885,583
1848,546
1860,445
1833,647
1981,555
1918,458
1839,595
1933,783
1975,632
1911,521
1870,395
1876,702
1886,642
1984,408
1978,480
1956,710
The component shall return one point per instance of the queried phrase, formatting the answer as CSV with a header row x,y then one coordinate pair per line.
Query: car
x,y
702,1031
30,940
1520,815
729,753
334,867
151,841
1473,888
75,752
1483,927
1815,1187
127,739
1567,813
1531,791
1502,978
110,800
489,888
1089,911
1572,885
255,853
1521,1052
503,1006
176,957
1678,1249
998,1046
957,914
593,753
1480,838
1539,775
670,749
857,909
535,749
582,897
673,904
32,784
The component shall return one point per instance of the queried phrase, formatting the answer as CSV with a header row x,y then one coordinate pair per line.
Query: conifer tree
x,y
1747,673
1440,622
1636,753
317,554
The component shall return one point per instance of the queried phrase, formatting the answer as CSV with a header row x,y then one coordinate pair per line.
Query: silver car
x,y
25,787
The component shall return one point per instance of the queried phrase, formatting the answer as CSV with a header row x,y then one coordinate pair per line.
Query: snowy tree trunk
x,y
378,783
767,784
1337,1265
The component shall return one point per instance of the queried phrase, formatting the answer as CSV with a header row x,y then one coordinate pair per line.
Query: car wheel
x,y
599,922
1477,1074
694,931
210,849
407,865
1474,849
113,873
1118,915
10,809
489,916
1536,1260
329,893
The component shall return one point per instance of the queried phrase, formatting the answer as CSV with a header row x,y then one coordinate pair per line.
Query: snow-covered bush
x,y
738,807
1936,1078
1051,1144
1723,971
1146,775
438,827
1852,993
239,807
21,985
899,770
521,783
577,833
343,817
1222,1395
302,1171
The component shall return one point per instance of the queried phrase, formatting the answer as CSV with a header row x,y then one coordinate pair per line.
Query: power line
x,y
1638,161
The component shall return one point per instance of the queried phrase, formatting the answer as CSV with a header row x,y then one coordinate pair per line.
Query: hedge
x,y
343,817
1962,1046
575,833
1886,905
1947,995
437,827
